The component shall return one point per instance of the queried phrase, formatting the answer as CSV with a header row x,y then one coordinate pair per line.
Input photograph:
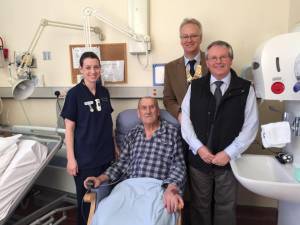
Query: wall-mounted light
x,y
24,82
137,31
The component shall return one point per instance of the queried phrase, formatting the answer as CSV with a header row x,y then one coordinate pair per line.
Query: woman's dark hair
x,y
85,55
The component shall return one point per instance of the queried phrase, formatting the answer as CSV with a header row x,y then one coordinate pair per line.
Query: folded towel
x,y
276,134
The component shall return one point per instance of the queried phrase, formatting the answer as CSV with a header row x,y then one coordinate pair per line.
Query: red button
x,y
277,87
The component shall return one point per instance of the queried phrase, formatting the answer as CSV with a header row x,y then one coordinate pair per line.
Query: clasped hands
x,y
219,159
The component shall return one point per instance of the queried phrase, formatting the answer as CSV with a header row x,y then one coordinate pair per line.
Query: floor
x,y
246,215
249,215
38,197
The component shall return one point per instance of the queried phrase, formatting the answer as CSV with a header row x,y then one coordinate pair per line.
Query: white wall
x,y
244,24
294,16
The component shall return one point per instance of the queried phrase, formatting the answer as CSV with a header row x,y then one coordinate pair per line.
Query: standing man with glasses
x,y
219,122
180,72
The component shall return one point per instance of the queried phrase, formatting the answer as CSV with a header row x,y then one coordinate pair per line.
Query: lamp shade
x,y
23,89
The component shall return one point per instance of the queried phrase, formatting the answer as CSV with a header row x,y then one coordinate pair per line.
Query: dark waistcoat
x,y
224,123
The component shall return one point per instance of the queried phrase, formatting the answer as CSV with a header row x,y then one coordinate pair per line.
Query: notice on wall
x,y
78,51
112,71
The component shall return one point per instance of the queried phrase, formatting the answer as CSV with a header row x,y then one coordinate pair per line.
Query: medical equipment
x,y
1,106
23,83
276,71
276,68
138,37
2,56
40,141
138,19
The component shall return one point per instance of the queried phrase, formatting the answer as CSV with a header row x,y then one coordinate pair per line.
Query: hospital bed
x,y
125,121
36,147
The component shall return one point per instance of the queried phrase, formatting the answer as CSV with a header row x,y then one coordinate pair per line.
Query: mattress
x,y
8,148
19,173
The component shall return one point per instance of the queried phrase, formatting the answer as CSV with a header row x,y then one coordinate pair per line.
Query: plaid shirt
x,y
160,157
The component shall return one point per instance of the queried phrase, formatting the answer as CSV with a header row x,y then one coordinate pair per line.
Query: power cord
x,y
1,106
24,111
90,185
57,94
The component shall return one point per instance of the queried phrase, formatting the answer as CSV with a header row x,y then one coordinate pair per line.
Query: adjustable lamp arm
x,y
27,57
88,11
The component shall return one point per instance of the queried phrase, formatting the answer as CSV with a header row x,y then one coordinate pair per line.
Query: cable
x,y
23,109
105,185
1,106
109,183
147,57
2,43
57,94
99,187
7,116
10,75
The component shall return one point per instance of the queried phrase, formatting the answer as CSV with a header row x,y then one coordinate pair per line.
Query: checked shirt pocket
x,y
164,148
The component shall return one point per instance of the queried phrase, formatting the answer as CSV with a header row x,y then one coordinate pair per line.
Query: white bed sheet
x,y
8,148
18,174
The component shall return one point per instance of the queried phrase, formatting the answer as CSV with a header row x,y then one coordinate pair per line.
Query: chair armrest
x,y
180,206
95,196
179,210
90,198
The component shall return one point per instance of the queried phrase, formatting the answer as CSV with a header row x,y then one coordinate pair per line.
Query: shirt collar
x,y
161,129
197,58
226,79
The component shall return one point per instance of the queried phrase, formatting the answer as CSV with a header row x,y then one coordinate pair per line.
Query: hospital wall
x,y
244,24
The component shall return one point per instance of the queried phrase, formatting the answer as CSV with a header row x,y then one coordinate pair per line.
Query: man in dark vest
x,y
219,122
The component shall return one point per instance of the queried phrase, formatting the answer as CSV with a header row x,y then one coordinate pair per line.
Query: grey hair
x,y
191,21
222,44
149,97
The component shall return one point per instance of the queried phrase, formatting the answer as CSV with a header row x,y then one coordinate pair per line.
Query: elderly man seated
x,y
153,169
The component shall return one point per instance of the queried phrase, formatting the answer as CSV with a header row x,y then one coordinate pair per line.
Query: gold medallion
x,y
197,75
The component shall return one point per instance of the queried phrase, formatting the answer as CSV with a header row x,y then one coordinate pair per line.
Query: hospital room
x,y
147,112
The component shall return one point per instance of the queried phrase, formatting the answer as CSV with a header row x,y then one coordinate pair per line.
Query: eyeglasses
x,y
188,37
221,58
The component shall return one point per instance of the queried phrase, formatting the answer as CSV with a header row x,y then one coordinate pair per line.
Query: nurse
x,y
89,141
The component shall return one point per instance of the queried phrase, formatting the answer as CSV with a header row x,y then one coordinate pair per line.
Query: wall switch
x,y
46,55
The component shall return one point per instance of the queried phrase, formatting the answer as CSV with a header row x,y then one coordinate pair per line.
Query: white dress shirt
x,y
246,135
186,61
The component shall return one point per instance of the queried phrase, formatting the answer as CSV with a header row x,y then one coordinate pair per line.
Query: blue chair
x,y
128,119
125,121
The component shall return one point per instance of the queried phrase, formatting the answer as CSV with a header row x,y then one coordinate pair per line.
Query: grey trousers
x,y
213,197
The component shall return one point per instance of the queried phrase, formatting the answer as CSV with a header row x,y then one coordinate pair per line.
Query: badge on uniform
x,y
97,104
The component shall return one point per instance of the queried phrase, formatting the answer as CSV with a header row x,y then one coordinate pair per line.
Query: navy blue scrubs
x,y
93,141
